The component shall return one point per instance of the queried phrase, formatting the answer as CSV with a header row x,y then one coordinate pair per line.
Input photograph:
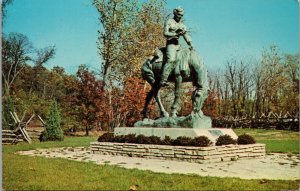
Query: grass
x,y
68,142
284,146
39,173
276,140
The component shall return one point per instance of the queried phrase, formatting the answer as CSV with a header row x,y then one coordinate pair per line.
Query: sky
x,y
220,29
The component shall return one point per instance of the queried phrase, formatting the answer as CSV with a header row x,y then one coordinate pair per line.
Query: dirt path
x,y
272,166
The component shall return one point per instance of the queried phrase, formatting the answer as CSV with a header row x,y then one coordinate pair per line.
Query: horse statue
x,y
189,67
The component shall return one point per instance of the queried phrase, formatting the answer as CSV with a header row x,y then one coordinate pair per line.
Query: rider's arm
x,y
187,37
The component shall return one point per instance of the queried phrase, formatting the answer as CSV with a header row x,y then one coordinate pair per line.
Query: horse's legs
x,y
200,93
147,101
175,105
154,93
197,99
163,112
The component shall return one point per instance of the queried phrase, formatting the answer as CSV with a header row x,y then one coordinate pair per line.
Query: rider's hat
x,y
178,11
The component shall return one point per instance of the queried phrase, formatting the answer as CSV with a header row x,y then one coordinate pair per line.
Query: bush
x,y
142,139
130,138
7,107
155,140
245,139
53,130
167,141
225,140
119,139
182,141
201,141
106,137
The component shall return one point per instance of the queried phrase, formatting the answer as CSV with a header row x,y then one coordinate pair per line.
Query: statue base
x,y
190,121
173,133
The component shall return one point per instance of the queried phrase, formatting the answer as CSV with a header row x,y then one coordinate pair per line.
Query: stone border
x,y
180,153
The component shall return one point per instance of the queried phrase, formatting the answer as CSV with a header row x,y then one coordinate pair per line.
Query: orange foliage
x,y
134,98
211,104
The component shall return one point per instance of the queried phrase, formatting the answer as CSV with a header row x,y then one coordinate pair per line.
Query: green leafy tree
x,y
129,34
53,130
7,120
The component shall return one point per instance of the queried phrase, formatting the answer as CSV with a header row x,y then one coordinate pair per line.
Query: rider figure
x,y
174,28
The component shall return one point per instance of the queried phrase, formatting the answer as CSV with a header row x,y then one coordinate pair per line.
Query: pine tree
x,y
7,107
53,130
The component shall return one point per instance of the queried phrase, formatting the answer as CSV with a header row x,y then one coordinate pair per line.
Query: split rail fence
x,y
270,121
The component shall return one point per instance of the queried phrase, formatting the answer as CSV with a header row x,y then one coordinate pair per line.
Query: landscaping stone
x,y
200,154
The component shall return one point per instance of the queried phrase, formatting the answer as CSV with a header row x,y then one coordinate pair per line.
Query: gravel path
x,y
272,166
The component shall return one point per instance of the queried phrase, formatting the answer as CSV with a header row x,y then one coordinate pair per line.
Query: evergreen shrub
x,y
106,137
155,140
201,141
225,140
120,138
53,130
245,139
182,141
7,107
130,138
142,139
167,141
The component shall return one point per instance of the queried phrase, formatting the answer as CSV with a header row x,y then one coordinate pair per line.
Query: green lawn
x,y
275,140
39,173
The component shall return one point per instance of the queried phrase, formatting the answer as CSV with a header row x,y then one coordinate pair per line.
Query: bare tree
x,y
4,4
238,76
16,49
44,55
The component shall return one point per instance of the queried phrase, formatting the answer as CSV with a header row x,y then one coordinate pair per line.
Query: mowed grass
x,y
276,140
39,173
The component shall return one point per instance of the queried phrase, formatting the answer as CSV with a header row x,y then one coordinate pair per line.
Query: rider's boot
x,y
167,69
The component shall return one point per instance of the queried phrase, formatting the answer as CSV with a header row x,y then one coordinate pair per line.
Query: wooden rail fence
x,y
270,121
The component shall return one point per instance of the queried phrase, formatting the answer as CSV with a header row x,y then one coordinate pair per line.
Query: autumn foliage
x,y
113,95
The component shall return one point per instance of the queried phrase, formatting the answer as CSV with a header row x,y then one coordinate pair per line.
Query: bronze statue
x,y
174,28
189,67
176,64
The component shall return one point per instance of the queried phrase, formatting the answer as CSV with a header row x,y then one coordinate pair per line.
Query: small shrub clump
x,y
201,141
155,140
167,141
142,139
106,137
182,141
130,138
245,139
120,139
225,140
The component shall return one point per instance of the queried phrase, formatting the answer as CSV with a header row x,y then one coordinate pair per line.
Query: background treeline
x,y
257,86
114,95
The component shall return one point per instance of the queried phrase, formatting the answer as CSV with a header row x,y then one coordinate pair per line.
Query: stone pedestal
x,y
173,133
190,121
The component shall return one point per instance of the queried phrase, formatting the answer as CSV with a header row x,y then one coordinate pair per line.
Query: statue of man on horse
x,y
175,64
